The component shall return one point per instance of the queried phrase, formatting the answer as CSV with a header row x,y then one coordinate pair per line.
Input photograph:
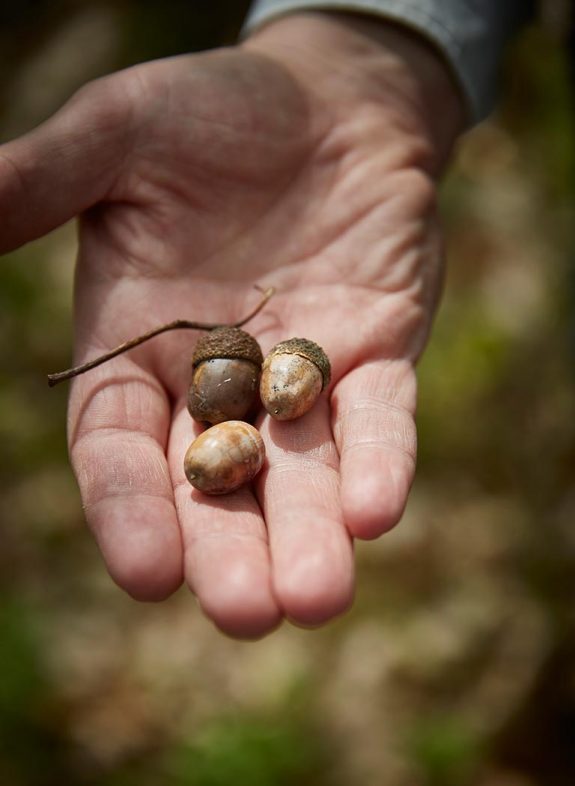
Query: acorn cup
x,y
226,372
294,374
177,324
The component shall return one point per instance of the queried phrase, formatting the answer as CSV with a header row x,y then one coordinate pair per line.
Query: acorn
x,y
226,371
224,457
293,375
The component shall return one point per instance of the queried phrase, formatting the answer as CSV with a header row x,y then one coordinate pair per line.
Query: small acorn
x,y
226,371
293,375
224,457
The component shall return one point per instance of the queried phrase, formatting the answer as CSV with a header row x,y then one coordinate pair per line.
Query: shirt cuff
x,y
471,36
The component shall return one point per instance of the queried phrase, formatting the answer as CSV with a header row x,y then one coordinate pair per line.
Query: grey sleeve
x,y
471,34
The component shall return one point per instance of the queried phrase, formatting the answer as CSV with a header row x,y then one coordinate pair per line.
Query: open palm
x,y
197,177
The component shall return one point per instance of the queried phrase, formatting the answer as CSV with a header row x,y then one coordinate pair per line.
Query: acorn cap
x,y
305,349
227,342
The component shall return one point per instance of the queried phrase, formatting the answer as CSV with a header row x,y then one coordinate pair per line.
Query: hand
x,y
303,159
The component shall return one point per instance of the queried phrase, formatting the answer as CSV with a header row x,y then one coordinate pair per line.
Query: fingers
x,y
118,424
311,550
374,429
227,546
227,562
65,165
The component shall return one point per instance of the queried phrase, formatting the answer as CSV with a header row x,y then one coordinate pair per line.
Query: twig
x,y
178,324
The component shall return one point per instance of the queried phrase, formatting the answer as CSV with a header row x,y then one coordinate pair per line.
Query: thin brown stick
x,y
178,324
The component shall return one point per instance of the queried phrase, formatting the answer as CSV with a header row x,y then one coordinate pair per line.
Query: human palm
x,y
200,177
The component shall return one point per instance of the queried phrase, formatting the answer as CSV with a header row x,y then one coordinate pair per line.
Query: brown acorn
x,y
293,375
226,371
224,457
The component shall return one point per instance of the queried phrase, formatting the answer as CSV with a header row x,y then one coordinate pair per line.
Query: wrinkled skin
x,y
287,161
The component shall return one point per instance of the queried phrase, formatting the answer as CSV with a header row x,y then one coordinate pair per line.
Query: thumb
x,y
64,166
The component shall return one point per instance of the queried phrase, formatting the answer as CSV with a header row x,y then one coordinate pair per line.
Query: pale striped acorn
x,y
226,371
293,375
224,457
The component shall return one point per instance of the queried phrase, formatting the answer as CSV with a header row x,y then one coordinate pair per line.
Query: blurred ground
x,y
456,666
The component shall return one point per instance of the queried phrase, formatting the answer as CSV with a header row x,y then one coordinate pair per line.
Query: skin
x,y
305,158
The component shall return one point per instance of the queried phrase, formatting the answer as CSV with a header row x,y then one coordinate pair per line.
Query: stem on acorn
x,y
178,324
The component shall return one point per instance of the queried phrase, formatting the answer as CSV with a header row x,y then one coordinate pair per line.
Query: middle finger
x,y
226,554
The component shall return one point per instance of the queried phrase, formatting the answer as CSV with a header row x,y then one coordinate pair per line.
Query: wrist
x,y
345,60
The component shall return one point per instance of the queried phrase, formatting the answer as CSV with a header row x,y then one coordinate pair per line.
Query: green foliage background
x,y
456,666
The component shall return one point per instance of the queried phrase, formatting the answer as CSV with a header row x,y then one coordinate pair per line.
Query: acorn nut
x,y
226,371
293,375
224,457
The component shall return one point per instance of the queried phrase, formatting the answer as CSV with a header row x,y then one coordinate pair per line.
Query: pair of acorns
x,y
229,377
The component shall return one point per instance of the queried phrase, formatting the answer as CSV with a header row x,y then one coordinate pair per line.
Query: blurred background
x,y
456,666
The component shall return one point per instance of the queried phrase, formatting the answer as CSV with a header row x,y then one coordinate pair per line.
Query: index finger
x,y
118,425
